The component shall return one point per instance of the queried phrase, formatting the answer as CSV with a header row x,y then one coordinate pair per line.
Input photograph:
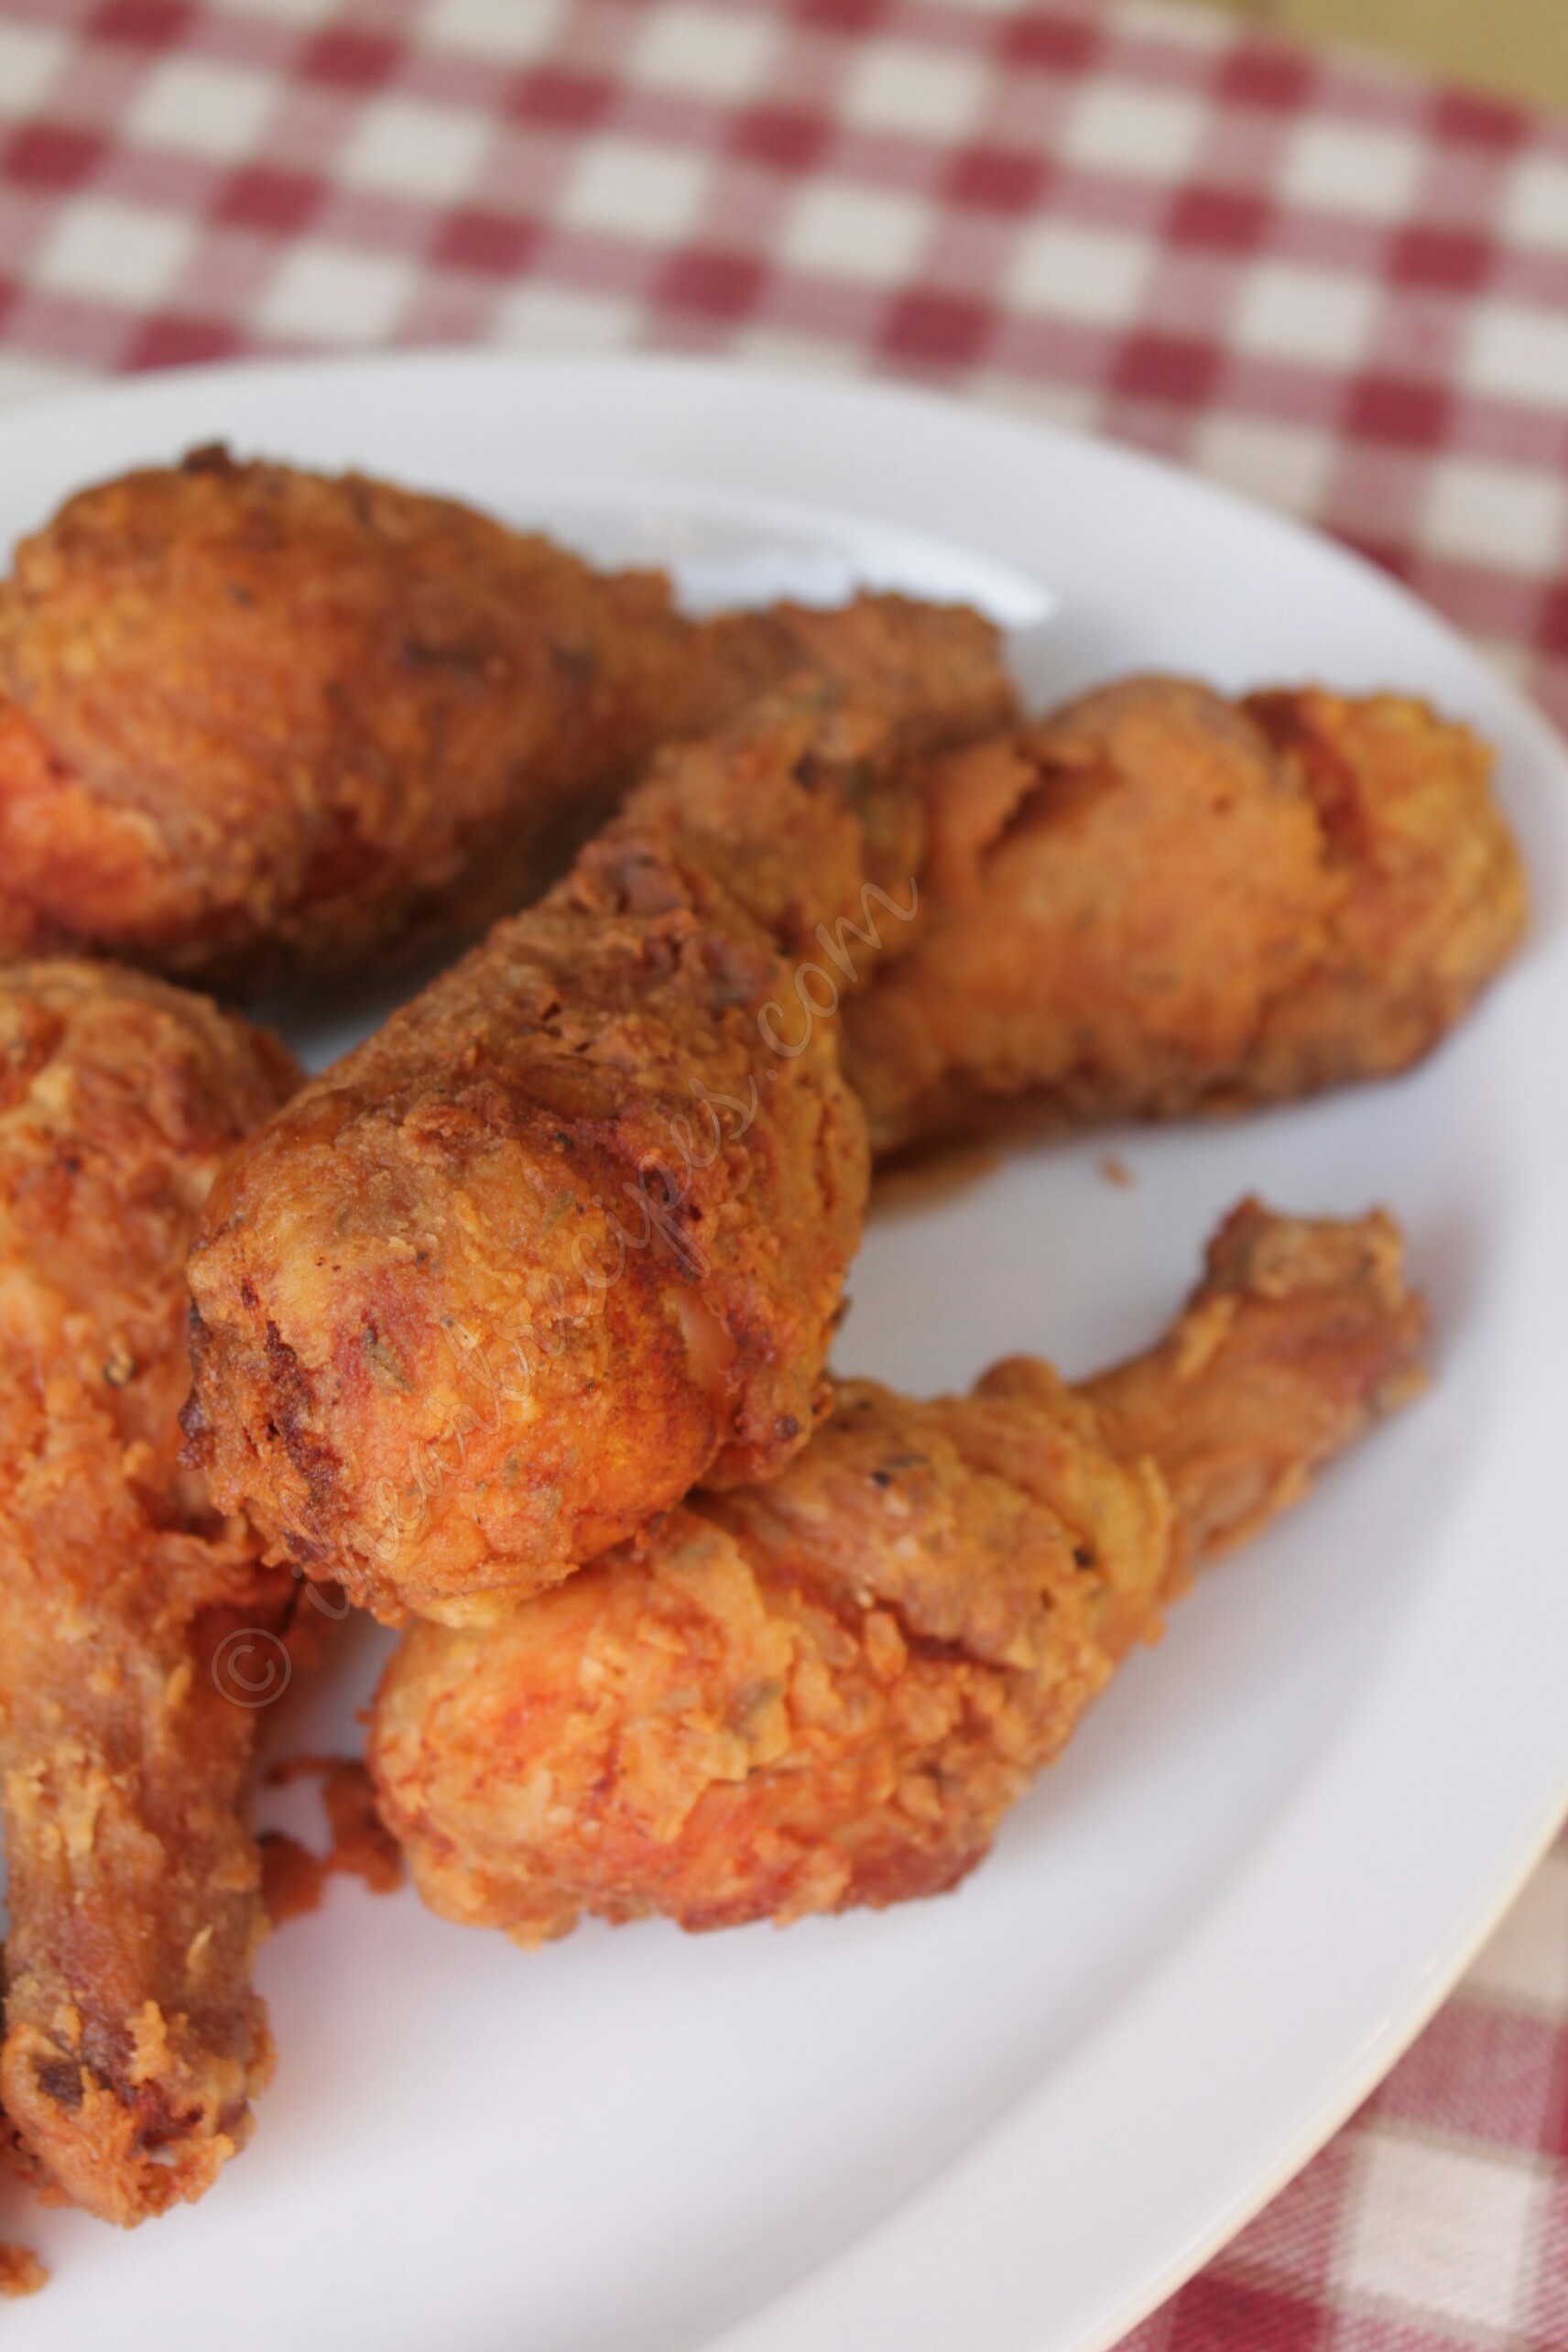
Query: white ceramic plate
x,y
1016,2118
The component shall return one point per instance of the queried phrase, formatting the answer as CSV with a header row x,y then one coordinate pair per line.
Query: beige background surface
x,y
1520,47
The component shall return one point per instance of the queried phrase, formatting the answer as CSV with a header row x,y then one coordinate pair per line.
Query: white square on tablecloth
x,y
30,57
1527,1960
1515,354
110,251
894,86
623,188
1351,168
1438,2232
1534,207
1285,465
508,30
1497,514
1156,20
1288,311
292,12
327,293
1079,273
1144,133
560,318
840,231
1073,405
407,148
1515,661
200,108
704,52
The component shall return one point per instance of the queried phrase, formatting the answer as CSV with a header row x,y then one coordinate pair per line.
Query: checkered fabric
x,y
1438,2217
1331,285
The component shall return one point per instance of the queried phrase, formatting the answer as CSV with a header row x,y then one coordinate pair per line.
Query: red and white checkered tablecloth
x,y
1331,285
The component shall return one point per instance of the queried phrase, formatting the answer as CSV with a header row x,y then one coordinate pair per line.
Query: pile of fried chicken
x,y
513,1325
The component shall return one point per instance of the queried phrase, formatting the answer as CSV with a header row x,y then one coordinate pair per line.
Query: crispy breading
x,y
256,722
137,1626
294,1877
827,1691
21,2272
1157,902
569,1233
1428,893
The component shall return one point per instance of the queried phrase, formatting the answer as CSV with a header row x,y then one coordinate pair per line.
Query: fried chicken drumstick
x,y
569,1234
257,723
132,1616
1157,901
827,1691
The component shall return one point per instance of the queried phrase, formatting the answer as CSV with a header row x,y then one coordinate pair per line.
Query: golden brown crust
x,y
569,1233
1300,1335
133,2041
256,721
1157,901
1430,898
827,1690
293,1878
21,2272
359,1844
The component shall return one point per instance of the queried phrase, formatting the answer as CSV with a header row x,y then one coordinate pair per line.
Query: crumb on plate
x,y
21,2272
